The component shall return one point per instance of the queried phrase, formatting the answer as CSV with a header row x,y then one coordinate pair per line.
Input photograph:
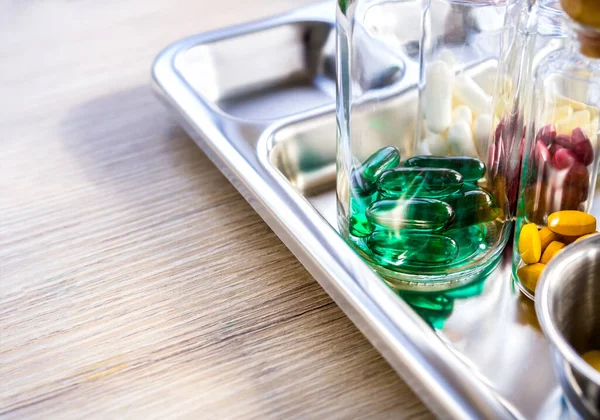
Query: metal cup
x,y
568,308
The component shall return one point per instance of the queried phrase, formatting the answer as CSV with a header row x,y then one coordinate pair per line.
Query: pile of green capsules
x,y
427,212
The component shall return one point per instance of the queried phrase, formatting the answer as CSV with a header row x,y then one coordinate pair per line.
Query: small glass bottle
x,y
561,157
532,30
414,193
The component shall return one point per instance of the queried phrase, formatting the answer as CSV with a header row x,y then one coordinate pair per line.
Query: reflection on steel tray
x,y
269,126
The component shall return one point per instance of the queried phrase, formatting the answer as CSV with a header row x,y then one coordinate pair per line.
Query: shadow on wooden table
x,y
129,136
198,283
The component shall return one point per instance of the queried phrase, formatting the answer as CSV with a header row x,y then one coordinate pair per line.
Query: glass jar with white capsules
x,y
416,197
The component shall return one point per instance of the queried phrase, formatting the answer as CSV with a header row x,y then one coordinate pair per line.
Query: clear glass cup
x,y
561,156
417,196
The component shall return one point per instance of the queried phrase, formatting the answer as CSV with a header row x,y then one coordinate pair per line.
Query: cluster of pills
x,y
563,157
538,247
425,211
456,111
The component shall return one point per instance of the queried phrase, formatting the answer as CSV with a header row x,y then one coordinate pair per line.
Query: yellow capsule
x,y
577,119
594,113
589,235
553,249
558,113
593,359
564,101
530,274
530,245
571,223
562,112
499,109
591,130
547,236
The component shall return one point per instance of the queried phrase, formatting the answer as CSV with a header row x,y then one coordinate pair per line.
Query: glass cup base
x,y
427,279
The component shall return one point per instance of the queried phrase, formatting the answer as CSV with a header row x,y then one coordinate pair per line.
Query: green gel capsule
x,y
380,161
409,182
360,204
471,207
424,214
454,199
360,186
412,247
471,169
360,226
471,241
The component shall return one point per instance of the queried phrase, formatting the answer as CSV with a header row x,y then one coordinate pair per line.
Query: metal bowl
x,y
568,308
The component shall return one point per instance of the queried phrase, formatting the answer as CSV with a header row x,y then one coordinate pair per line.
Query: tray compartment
x,y
267,73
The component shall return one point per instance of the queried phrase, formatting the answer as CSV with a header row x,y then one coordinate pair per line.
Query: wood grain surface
x,y
135,281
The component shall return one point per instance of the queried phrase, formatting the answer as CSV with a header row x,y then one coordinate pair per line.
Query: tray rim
x,y
442,381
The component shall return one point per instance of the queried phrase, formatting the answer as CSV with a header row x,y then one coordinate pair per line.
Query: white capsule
x,y
449,58
438,145
486,79
460,138
471,94
481,132
423,148
438,96
462,113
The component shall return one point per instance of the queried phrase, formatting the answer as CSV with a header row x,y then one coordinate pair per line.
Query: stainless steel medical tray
x,y
259,99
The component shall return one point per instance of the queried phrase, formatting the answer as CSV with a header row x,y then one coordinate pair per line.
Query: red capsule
x,y
564,140
555,148
537,201
565,189
496,156
491,154
541,153
521,148
567,198
542,159
578,178
547,134
499,130
582,146
563,159
492,160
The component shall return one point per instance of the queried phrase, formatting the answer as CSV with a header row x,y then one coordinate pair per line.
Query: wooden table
x,y
135,281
